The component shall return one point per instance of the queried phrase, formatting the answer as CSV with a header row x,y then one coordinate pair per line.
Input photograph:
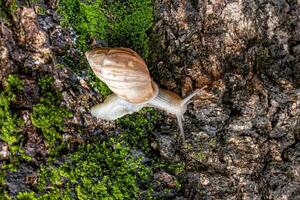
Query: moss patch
x,y
116,23
10,128
7,8
9,123
137,128
119,23
128,25
49,116
85,17
108,170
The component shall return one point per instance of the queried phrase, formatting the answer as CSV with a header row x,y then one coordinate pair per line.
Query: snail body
x,y
114,107
127,75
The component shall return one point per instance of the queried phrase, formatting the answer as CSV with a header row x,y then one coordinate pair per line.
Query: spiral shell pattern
x,y
124,72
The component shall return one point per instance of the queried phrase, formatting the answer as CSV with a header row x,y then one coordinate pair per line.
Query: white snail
x,y
128,77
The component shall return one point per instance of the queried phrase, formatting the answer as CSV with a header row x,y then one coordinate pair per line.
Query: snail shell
x,y
124,72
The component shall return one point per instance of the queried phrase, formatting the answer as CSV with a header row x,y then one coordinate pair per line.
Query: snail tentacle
x,y
172,103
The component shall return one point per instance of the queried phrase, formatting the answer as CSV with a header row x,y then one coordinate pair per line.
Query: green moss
x,y
176,168
26,196
7,8
85,17
199,156
98,85
48,115
128,25
10,128
118,23
4,195
50,120
111,169
45,84
13,84
137,128
10,124
95,171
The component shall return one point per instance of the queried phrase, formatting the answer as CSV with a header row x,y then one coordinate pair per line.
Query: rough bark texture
x,y
242,134
245,135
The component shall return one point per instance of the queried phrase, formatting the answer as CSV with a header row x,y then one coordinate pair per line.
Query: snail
x,y
127,76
